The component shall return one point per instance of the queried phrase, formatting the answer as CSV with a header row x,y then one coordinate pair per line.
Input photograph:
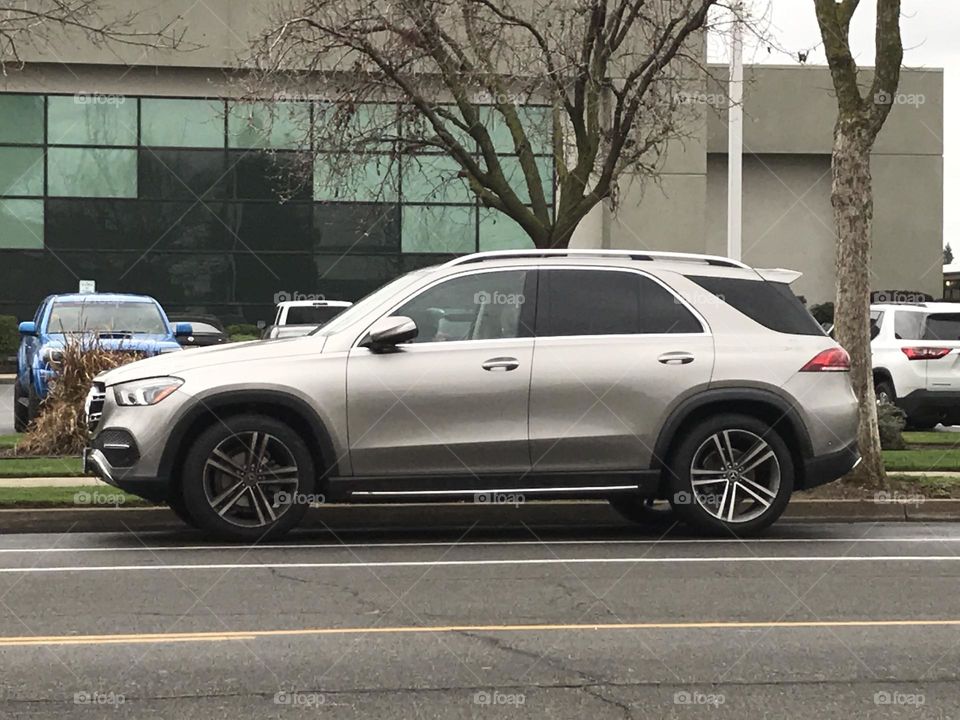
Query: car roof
x,y
103,297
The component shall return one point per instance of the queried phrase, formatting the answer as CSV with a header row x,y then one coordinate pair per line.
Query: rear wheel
x,y
731,473
244,478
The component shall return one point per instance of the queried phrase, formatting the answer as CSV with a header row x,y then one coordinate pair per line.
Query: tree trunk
x,y
852,198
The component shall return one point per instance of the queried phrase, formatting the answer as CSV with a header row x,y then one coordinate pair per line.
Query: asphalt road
x,y
816,621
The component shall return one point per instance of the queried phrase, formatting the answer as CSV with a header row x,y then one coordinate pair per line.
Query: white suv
x,y
916,360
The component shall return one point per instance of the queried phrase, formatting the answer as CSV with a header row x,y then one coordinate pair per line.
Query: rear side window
x,y
770,304
922,326
604,302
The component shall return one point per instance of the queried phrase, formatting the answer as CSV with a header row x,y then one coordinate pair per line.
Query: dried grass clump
x,y
61,428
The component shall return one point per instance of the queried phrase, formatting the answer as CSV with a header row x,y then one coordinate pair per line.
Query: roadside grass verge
x,y
17,467
945,439
8,442
927,459
73,497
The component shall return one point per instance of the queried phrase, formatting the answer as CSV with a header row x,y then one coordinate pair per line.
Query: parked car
x,y
308,312
632,377
129,323
916,360
206,330
273,332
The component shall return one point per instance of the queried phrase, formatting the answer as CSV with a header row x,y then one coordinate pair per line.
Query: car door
x,y
456,399
615,350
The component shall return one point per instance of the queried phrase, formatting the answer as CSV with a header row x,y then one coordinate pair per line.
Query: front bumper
x,y
932,406
152,488
823,469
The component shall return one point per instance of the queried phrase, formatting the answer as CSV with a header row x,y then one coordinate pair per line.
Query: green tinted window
x,y
181,123
21,119
21,171
282,125
537,123
514,175
434,179
501,232
92,172
21,224
367,127
352,177
438,229
91,120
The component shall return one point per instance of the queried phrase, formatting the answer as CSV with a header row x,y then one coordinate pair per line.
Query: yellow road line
x,y
37,640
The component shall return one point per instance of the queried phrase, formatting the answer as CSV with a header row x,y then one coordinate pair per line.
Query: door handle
x,y
677,357
501,363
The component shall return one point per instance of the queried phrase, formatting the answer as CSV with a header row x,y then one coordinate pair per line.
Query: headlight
x,y
145,392
51,356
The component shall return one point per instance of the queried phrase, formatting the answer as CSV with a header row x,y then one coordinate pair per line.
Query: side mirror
x,y
28,328
388,332
183,329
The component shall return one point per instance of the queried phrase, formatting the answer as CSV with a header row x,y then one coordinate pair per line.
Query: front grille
x,y
94,405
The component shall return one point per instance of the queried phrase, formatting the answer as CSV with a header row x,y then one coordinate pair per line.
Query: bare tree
x,y
461,77
859,119
38,22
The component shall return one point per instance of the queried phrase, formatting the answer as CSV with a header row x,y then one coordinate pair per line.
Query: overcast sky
x,y
931,38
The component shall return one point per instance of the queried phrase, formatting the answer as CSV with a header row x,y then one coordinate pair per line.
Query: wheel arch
x,y
764,405
881,374
283,406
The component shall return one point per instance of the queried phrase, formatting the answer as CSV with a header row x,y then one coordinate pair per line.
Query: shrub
x,y
243,331
61,428
9,336
891,420
823,312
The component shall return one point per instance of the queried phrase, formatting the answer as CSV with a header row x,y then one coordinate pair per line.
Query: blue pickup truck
x,y
128,323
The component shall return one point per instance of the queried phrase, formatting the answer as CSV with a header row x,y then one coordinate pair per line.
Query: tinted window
x,y
483,306
202,328
770,304
312,315
601,302
942,326
876,319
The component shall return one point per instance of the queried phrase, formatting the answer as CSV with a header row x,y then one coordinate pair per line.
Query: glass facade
x,y
218,206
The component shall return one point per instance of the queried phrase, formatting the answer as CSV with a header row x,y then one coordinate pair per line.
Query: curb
x,y
555,516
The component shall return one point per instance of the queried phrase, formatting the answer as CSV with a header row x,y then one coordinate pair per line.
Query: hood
x,y
183,362
147,344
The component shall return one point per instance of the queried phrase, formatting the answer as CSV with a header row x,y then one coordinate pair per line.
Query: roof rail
x,y
645,255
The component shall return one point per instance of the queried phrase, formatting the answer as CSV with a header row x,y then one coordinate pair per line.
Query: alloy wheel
x,y
735,475
250,479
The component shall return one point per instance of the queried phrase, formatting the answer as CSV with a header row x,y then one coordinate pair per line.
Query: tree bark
x,y
852,199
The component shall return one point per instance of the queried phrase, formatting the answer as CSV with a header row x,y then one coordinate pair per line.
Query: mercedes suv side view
x,y
633,376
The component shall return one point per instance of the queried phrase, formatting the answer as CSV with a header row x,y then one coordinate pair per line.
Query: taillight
x,y
925,353
834,359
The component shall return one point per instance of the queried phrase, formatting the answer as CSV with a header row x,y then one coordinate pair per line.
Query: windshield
x,y
312,314
366,304
106,317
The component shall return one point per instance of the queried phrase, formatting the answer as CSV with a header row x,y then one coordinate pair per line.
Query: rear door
x,y
614,350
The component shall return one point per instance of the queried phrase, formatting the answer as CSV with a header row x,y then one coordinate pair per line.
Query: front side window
x,y
602,302
481,306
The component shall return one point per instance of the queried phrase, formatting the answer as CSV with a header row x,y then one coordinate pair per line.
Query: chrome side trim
x,y
486,491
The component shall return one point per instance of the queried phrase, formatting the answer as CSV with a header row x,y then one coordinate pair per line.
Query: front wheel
x,y
245,478
21,417
731,473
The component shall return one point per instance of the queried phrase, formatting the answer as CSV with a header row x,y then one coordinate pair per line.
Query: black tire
x,y
176,503
21,417
245,517
644,511
33,404
884,391
749,438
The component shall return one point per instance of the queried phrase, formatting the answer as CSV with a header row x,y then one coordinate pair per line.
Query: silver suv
x,y
638,377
